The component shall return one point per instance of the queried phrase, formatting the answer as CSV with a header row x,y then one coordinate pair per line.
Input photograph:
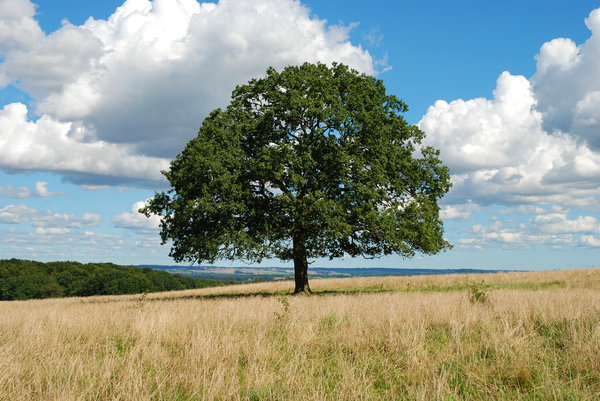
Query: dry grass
x,y
536,336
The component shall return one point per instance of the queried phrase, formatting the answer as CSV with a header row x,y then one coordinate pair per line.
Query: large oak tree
x,y
313,161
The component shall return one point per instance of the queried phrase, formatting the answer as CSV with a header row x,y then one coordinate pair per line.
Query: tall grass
x,y
533,336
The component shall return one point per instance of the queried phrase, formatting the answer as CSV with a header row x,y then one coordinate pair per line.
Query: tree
x,y
309,162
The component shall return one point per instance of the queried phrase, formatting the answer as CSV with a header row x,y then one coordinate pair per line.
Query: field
x,y
505,336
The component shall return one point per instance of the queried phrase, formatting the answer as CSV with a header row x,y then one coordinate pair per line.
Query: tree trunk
x,y
300,266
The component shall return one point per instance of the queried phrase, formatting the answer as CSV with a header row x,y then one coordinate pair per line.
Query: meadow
x,y
505,336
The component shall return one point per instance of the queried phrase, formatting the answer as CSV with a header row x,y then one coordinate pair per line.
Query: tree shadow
x,y
267,294
258,294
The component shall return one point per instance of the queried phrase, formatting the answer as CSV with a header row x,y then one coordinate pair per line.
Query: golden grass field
x,y
506,336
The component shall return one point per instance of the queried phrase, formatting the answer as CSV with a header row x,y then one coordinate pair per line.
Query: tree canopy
x,y
313,161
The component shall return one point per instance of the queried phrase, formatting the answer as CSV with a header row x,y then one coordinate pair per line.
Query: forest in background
x,y
27,279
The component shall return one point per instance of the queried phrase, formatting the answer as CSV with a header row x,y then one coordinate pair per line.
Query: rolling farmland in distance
x,y
271,273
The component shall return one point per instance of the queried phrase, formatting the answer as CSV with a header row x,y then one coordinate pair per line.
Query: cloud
x,y
40,190
85,246
374,37
91,220
559,223
21,214
135,220
550,229
513,235
50,145
128,92
65,236
94,187
9,191
590,240
52,231
499,152
459,212
486,134
567,85
14,214
58,243
18,28
524,209
537,141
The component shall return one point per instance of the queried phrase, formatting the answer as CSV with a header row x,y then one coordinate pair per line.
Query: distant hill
x,y
27,279
242,274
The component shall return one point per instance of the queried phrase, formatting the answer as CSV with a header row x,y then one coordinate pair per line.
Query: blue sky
x,y
97,97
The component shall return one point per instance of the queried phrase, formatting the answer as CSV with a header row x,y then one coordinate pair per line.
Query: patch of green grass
x,y
459,381
438,336
554,332
122,345
332,321
255,394
449,288
480,290
182,394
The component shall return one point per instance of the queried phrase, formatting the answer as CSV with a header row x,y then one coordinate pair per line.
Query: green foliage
x,y
332,321
286,308
26,279
308,162
477,294
555,332
51,290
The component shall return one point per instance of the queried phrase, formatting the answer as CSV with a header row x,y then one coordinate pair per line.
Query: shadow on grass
x,y
346,291
267,294
370,290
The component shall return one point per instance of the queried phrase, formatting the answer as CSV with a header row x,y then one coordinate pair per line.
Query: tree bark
x,y
300,266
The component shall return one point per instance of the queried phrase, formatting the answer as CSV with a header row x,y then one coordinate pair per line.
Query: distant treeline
x,y
26,279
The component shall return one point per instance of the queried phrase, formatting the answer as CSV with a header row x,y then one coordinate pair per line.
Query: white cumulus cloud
x,y
533,149
590,240
499,152
459,212
42,190
567,85
559,223
50,145
135,88
18,28
135,220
